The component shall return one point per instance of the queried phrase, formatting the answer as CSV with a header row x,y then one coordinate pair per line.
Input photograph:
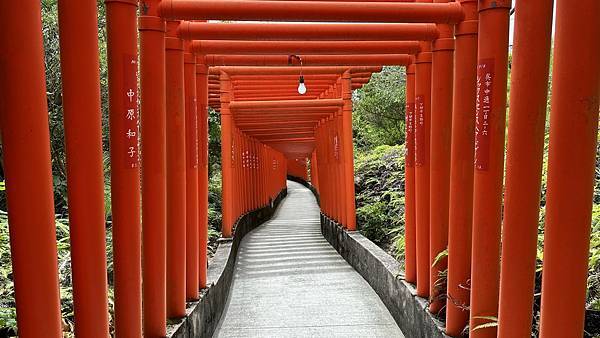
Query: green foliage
x,y
379,178
440,256
378,114
7,295
214,201
214,181
398,244
594,265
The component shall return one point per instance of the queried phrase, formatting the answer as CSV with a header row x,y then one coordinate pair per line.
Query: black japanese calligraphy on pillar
x,y
410,134
419,130
130,112
483,107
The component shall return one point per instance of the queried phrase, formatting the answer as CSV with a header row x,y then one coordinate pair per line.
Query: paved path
x,y
289,282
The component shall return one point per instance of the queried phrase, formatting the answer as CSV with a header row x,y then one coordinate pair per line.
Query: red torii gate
x,y
480,65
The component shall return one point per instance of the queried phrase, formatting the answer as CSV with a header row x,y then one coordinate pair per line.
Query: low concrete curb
x,y
384,275
202,317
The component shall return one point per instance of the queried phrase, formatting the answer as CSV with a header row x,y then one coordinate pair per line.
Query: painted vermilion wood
x,y
349,202
340,174
489,163
294,77
360,59
461,171
410,260
249,10
571,165
28,171
314,171
234,105
442,67
154,167
226,155
85,169
176,180
293,70
268,129
306,47
202,106
122,58
524,157
191,177
297,167
422,165
290,31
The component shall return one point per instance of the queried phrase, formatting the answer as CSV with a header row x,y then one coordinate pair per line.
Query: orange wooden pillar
x,y
250,180
255,176
191,178
409,179
571,165
248,175
461,171
263,173
176,178
235,171
331,164
314,170
319,149
244,168
154,184
349,202
337,187
226,156
202,106
257,182
85,169
489,162
239,171
28,171
125,172
273,170
327,144
422,165
526,131
441,130
339,152
259,187
324,165
259,172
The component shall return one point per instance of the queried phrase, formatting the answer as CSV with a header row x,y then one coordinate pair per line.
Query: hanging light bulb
x,y
301,86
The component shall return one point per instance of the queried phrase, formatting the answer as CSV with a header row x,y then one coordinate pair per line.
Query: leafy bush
x,y
378,114
379,183
8,313
214,200
594,268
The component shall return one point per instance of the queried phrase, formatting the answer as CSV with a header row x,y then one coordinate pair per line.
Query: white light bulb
x,y
302,89
301,86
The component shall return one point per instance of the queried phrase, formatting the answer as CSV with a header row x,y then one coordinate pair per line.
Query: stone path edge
x,y
202,316
386,277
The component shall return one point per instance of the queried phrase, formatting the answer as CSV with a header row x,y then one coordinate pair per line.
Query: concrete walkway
x,y
289,282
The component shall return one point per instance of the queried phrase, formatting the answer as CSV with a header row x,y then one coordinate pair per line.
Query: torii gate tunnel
x,y
456,58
